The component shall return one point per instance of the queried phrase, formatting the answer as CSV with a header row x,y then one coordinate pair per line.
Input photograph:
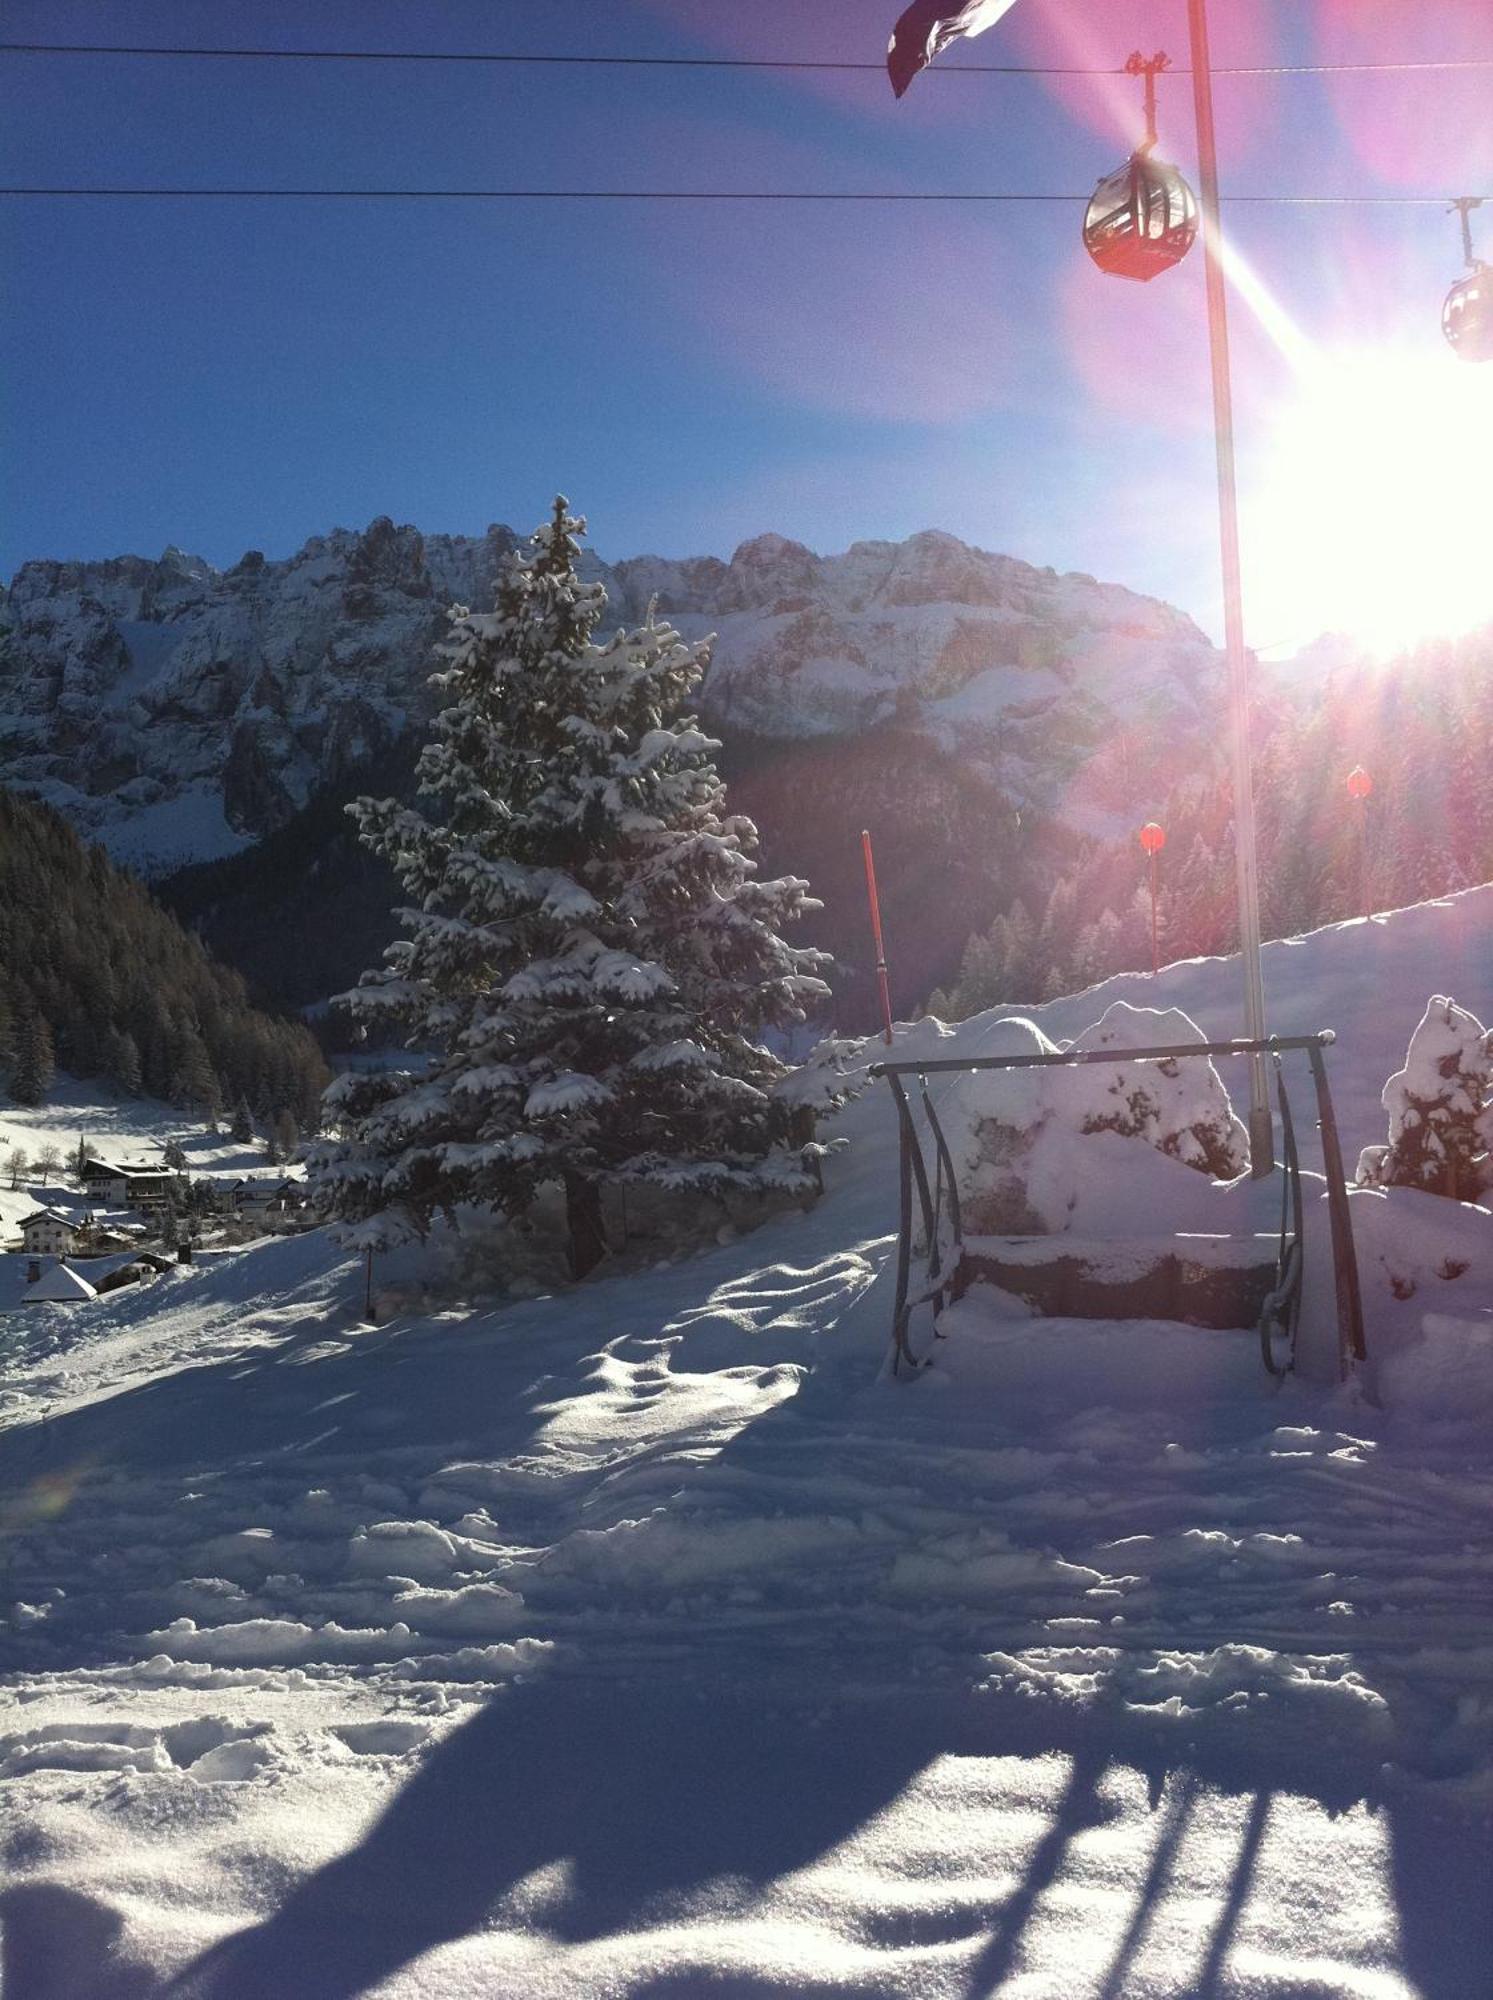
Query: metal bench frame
x,y
946,1275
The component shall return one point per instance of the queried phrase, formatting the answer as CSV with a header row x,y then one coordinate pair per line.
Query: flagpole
x,y
1261,1131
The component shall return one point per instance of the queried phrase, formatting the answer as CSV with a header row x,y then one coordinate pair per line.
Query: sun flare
x,y
1372,514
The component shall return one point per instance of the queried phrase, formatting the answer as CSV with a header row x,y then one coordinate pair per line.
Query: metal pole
x,y
1155,934
1261,1134
1363,855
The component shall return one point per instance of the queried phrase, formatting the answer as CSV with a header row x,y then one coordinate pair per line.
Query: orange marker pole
x,y
1155,934
1152,840
886,998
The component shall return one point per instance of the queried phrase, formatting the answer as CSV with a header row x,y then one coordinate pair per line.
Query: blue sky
x,y
233,375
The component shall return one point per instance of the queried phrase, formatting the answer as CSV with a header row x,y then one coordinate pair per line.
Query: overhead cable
x,y
713,62
672,194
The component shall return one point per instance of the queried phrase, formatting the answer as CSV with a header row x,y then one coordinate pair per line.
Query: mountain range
x,y
980,713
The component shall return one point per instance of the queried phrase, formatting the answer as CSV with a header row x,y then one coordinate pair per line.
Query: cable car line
x,y
678,194
714,62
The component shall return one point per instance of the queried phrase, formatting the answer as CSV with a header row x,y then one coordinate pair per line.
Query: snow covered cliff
x,y
179,712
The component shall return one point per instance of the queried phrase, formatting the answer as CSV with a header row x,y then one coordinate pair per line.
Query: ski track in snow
x,y
651,1641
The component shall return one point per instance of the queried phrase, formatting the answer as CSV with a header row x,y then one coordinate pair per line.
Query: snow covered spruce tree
x,y
590,958
1440,1109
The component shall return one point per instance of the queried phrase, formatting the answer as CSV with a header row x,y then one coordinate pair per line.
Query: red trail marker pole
x,y
1360,784
1155,940
1153,839
886,998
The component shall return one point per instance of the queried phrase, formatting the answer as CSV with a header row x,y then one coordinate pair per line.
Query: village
x,y
123,1219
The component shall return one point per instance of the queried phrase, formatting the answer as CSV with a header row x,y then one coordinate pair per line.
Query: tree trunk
x,y
588,1239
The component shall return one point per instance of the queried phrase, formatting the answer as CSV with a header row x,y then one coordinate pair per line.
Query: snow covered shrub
x,y
1016,1137
1179,1106
991,1119
589,952
1440,1109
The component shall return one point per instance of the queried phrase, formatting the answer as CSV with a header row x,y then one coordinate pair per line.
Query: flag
x,y
929,26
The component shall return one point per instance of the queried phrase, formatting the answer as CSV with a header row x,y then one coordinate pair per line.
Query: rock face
x,y
176,711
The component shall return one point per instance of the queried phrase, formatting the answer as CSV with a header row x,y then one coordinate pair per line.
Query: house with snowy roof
x,y
51,1232
58,1285
128,1267
63,1222
137,1185
270,1200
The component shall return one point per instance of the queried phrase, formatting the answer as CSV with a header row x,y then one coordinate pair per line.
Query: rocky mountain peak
x,y
767,570
180,712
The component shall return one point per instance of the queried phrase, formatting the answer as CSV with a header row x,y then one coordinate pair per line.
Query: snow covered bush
x,y
589,952
1440,1109
991,1119
1016,1136
1179,1106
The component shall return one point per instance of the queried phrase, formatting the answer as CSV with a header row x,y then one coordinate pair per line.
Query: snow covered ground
x,y
649,1640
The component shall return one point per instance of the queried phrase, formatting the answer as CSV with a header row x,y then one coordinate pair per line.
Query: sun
x,y
1371,513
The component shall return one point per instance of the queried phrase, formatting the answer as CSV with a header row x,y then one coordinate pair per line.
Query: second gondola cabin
x,y
1467,316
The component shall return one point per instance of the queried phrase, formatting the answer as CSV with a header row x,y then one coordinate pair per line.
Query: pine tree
x,y
242,1128
193,1084
287,1134
32,1067
122,1060
1020,980
1108,945
588,951
981,971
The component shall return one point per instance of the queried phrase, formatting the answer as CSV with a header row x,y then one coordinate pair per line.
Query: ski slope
x,y
648,1640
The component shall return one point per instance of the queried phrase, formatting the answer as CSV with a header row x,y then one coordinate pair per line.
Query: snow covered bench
x,y
1050,1182
1202,1280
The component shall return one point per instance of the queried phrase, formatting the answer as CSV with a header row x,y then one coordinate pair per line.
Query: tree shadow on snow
x,y
656,1806
663,1808
650,1804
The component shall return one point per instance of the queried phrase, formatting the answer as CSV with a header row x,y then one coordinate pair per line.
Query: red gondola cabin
x,y
1140,220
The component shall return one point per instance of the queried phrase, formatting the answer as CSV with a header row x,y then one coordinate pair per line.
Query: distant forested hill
x,y
986,903
97,978
308,908
1421,727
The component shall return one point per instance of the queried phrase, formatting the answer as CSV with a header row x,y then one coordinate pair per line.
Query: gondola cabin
x,y
1467,316
1140,220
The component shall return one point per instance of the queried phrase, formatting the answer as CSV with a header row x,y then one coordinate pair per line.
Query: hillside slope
x,y
96,976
